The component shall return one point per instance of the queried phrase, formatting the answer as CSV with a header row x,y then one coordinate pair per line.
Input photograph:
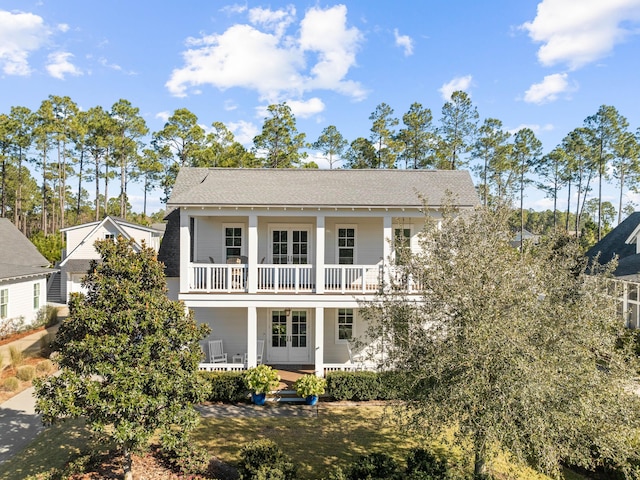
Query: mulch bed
x,y
150,466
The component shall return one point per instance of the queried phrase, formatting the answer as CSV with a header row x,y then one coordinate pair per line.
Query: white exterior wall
x,y
209,234
335,350
140,235
21,298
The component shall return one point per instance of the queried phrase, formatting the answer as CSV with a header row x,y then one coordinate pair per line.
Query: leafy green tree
x,y
128,355
492,148
552,176
22,139
457,131
129,128
516,350
331,143
626,163
383,136
100,129
417,138
579,169
148,169
280,143
526,153
222,150
604,128
361,154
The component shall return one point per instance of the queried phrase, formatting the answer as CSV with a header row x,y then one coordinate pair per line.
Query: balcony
x,y
272,278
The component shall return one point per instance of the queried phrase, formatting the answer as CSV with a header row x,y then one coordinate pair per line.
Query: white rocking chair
x,y
259,353
216,354
355,359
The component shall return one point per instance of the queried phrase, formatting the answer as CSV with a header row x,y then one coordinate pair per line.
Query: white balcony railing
x,y
286,278
365,279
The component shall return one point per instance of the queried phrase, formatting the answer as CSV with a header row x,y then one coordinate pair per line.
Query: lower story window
x,y
4,302
36,296
345,324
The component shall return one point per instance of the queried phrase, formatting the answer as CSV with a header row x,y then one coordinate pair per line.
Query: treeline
x,y
76,151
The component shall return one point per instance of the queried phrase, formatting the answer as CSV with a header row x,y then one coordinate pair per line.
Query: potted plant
x,y
261,380
310,387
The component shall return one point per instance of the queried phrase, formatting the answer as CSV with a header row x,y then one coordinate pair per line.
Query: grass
x,y
51,449
335,437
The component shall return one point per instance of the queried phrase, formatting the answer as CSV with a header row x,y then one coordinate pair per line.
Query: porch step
x,y
284,396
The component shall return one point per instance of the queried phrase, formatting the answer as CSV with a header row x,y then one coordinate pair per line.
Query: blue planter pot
x,y
311,400
259,398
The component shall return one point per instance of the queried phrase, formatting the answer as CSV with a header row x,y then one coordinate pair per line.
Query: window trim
x,y
410,238
36,295
355,241
241,226
344,341
4,303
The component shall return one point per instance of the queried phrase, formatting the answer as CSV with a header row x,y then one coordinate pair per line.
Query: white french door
x,y
290,246
289,341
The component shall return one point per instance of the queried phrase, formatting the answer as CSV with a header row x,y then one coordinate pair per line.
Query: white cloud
x,y
306,109
547,90
63,27
405,42
576,33
243,132
533,127
230,105
276,21
454,85
59,65
262,58
20,35
164,116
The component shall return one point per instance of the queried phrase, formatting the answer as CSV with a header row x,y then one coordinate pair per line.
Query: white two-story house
x,y
279,259
80,250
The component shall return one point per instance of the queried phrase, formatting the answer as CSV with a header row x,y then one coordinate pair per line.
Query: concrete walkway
x,y
19,423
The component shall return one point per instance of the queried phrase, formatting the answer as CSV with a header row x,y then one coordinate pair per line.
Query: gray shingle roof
x,y
18,256
612,244
311,187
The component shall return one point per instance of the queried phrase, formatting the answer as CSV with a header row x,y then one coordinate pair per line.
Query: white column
x,y
319,350
185,251
386,247
252,336
252,254
320,240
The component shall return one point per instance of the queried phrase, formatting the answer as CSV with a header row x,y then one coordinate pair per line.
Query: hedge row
x,y
229,387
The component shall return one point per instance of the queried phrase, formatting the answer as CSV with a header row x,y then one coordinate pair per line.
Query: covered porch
x,y
314,337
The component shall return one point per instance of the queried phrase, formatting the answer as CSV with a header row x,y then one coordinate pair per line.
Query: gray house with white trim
x,y
286,255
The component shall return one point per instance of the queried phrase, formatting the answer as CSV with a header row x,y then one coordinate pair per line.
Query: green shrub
x,y
187,459
424,465
374,466
11,384
47,316
227,387
308,385
353,385
26,373
393,385
44,367
263,459
17,356
261,379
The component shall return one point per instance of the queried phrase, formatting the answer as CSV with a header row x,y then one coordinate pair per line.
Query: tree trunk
x,y
79,185
621,191
479,465
97,187
126,464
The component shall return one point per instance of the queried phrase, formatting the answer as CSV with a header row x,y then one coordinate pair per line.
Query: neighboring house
x,y
623,243
282,257
80,249
525,236
23,277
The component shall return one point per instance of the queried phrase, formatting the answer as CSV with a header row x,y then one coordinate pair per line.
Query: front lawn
x,y
335,437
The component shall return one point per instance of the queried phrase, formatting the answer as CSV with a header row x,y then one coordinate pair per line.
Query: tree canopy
x,y
128,355
519,350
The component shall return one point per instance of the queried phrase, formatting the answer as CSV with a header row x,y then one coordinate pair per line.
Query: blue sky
x,y
543,64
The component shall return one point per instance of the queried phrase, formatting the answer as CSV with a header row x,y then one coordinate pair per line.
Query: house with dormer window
x,y
80,250
277,261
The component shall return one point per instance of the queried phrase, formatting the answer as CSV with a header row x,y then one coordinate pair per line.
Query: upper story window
x,y
232,242
346,245
401,244
4,302
109,236
36,296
